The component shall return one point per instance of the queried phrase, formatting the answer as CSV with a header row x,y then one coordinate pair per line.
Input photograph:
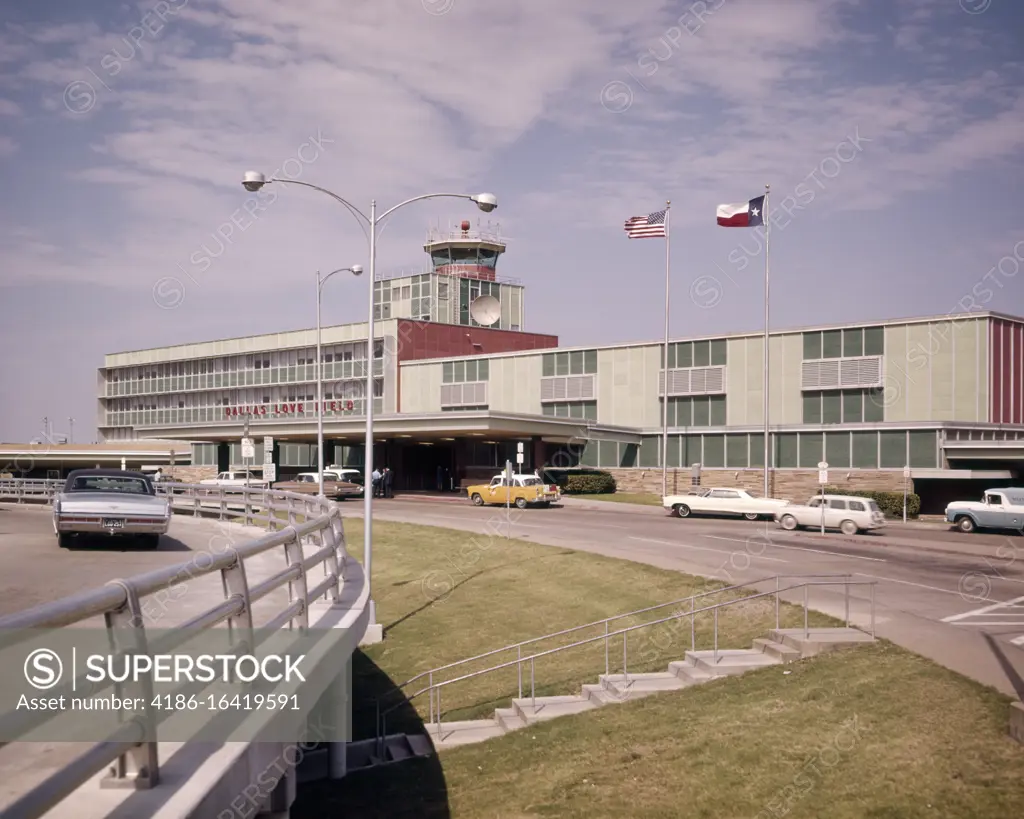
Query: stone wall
x,y
792,484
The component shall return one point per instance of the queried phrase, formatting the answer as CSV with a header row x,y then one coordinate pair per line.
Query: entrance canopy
x,y
436,426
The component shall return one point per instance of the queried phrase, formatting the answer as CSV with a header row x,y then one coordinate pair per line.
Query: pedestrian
x,y
440,478
376,483
389,478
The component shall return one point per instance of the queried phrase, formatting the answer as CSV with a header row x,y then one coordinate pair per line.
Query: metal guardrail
x,y
433,689
121,602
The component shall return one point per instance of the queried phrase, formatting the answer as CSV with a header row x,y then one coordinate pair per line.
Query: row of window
x,y
571,409
289,454
572,362
333,390
203,415
341,361
697,411
460,372
886,449
844,407
846,343
706,353
349,351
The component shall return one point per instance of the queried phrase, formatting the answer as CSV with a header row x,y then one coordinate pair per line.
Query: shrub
x,y
891,503
592,483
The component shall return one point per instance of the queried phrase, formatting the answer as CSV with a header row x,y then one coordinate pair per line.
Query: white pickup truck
x,y
235,479
723,502
998,509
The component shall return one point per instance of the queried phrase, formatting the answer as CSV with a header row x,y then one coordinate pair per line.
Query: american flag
x,y
646,227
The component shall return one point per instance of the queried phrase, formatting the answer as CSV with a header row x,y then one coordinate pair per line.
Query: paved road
x,y
958,599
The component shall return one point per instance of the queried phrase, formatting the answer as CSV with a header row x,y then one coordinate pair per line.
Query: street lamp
x,y
355,270
253,181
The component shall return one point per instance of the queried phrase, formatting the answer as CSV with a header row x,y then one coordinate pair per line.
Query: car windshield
x,y
110,483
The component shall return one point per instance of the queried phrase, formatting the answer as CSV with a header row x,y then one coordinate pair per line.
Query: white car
x,y
998,509
850,515
723,502
235,479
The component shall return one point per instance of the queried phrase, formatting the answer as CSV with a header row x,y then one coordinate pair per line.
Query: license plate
x,y
113,523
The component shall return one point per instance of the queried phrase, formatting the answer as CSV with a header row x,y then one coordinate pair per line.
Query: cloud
x,y
721,103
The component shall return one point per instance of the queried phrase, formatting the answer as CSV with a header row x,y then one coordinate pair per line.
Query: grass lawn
x,y
624,497
876,732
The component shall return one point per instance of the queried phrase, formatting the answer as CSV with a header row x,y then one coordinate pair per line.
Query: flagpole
x,y
767,231
664,367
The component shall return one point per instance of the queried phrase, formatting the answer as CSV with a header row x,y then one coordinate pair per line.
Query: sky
x,y
891,133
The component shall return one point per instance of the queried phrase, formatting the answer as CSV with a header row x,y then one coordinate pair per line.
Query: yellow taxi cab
x,y
522,490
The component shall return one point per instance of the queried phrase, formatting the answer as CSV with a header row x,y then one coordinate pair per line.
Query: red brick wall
x,y
425,339
1006,342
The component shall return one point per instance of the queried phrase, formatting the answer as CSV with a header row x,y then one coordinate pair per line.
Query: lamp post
x,y
71,430
252,181
355,270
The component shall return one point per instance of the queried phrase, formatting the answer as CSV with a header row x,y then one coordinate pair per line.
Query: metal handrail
x,y
609,619
121,603
435,699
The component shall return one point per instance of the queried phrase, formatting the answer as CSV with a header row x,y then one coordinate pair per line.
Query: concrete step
x,y
730,660
780,651
544,708
463,732
598,694
689,673
629,686
819,640
397,749
509,719
420,744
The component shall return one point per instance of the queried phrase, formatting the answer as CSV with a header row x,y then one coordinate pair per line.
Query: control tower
x,y
461,285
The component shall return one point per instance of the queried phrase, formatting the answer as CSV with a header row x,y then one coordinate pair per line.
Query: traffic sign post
x,y
508,499
906,481
520,455
823,479
269,473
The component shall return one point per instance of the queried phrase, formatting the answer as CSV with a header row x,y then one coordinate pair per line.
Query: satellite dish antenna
x,y
485,310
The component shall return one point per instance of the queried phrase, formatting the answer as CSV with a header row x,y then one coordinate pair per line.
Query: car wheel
x,y
64,540
966,524
751,515
520,503
848,527
788,522
477,500
682,510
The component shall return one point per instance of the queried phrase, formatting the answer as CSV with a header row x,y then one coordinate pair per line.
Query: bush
x,y
560,475
593,483
891,503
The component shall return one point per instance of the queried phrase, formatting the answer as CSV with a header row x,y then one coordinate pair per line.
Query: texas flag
x,y
749,214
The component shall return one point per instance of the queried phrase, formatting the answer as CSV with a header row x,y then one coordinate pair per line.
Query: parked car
x,y
345,473
722,501
110,502
525,490
308,483
850,515
235,479
998,509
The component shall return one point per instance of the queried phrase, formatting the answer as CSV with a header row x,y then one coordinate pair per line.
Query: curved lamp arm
x,y
424,196
324,279
352,208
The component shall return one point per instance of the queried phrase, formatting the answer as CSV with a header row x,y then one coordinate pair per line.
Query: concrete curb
x,y
1017,721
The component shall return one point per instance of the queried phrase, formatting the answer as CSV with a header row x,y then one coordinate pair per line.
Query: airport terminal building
x,y
459,383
